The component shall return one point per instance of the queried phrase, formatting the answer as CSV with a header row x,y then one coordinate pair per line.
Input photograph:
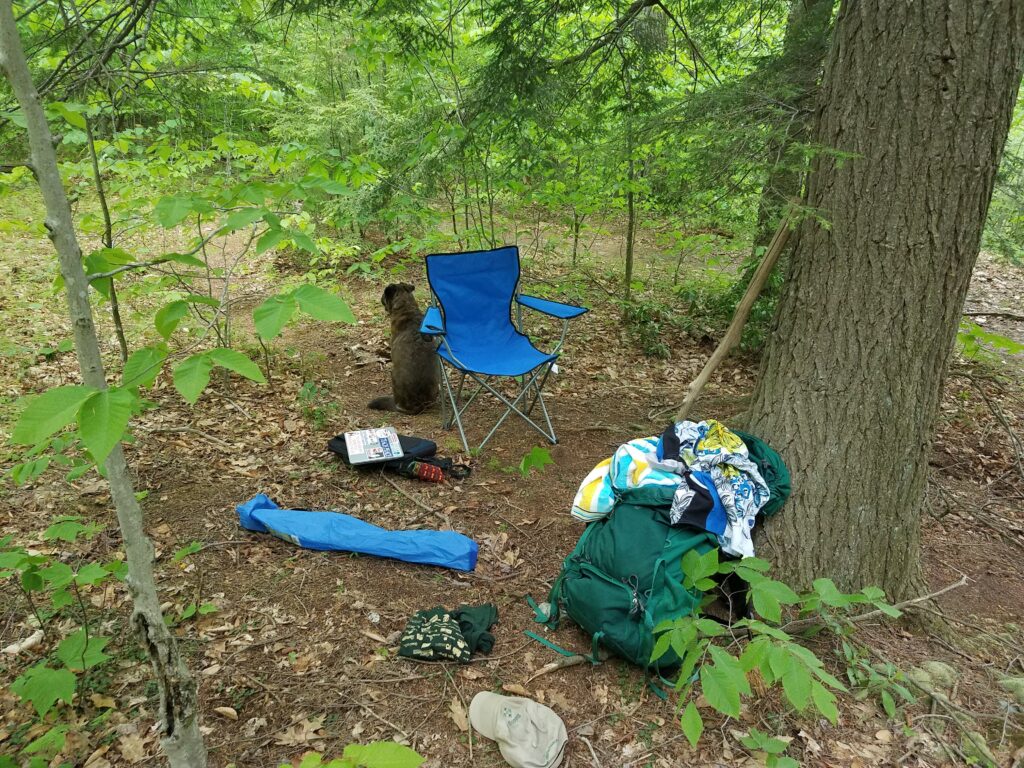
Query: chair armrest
x,y
433,323
553,308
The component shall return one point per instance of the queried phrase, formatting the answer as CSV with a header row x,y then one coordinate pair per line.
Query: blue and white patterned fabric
x,y
709,446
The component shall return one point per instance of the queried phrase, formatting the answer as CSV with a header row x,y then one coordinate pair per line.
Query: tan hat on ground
x,y
529,734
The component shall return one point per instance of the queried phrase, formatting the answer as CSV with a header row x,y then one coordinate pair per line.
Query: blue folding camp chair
x,y
473,295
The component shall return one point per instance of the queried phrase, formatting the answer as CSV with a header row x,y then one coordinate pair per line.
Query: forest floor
x,y
300,652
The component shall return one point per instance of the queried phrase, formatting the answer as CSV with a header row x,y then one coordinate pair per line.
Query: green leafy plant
x,y
537,458
53,591
725,660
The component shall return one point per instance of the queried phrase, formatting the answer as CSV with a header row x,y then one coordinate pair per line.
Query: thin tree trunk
x,y
804,49
108,242
179,722
918,96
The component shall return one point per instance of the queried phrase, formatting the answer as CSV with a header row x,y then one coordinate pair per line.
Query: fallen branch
x,y
1005,315
739,319
560,663
409,496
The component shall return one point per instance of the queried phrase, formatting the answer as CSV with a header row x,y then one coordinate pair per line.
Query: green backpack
x,y
625,574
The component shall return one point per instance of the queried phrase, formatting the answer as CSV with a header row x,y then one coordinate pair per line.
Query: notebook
x,y
373,445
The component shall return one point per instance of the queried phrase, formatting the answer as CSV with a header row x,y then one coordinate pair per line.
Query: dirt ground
x,y
300,653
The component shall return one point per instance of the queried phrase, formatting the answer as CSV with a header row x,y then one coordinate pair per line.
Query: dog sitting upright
x,y
414,374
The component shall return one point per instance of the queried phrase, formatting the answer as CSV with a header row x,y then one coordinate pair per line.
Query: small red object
x,y
429,472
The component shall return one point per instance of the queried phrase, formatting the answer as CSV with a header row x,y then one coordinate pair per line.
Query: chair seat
x,y
511,355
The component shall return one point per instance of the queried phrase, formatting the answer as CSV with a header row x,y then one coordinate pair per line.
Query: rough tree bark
x,y
179,721
921,94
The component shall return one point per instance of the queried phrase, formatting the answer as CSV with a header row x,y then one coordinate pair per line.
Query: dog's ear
x,y
408,286
389,296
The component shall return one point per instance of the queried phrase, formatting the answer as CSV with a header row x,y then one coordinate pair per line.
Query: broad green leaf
x,y
49,412
44,687
49,744
187,550
383,754
321,305
103,420
303,241
185,258
69,528
242,218
888,610
270,238
796,684
766,606
31,581
143,365
168,317
237,362
720,690
873,593
90,574
661,646
692,724
888,704
57,575
829,593
538,458
171,211
80,652
731,665
72,113
825,702
272,315
191,376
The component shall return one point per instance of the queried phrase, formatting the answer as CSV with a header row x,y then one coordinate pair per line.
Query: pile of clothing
x,y
722,478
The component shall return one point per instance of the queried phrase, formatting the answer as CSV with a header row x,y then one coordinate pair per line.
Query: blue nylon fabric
x,y
553,308
433,323
337,532
475,290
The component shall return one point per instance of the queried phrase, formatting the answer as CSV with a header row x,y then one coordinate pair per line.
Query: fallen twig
x,y
409,496
560,663
739,319
1006,315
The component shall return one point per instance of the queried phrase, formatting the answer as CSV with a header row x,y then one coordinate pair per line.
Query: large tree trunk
x,y
919,96
181,739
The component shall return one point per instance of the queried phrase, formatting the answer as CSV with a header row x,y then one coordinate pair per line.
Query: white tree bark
x,y
179,722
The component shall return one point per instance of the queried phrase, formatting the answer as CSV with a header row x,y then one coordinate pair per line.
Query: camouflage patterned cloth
x,y
434,636
440,635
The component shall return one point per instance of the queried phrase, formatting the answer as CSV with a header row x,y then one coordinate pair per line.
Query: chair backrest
x,y
475,289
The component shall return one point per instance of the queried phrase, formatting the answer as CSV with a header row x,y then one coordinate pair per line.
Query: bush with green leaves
x,y
53,591
726,659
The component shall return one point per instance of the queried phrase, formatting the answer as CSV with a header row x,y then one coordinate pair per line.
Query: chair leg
x,y
511,407
456,414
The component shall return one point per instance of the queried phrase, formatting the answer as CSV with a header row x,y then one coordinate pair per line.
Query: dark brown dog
x,y
414,374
